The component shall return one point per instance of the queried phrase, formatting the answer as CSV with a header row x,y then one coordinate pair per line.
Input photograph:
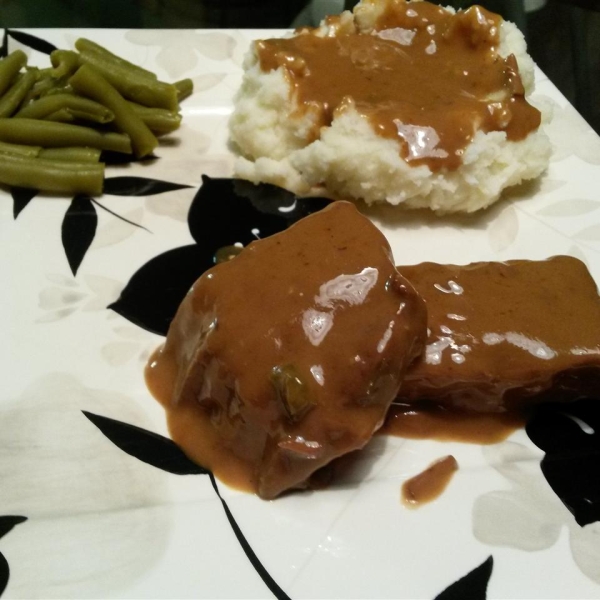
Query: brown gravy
x,y
550,308
431,422
289,355
425,78
429,484
504,335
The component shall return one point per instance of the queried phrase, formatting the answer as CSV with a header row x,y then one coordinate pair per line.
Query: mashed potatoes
x,y
340,151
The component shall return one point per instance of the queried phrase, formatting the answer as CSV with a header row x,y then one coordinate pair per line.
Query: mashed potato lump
x,y
404,102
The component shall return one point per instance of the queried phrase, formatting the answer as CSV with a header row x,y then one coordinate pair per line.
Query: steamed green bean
x,y
84,108
91,84
11,100
52,175
92,117
184,87
63,115
132,86
74,154
159,120
65,63
85,45
59,135
41,87
63,88
20,149
9,67
41,147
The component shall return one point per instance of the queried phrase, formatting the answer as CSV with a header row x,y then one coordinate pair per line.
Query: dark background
x,y
563,36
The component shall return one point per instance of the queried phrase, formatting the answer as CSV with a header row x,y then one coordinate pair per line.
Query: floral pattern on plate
x,y
83,517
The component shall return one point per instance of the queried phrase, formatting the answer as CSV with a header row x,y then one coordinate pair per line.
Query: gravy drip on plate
x,y
289,355
505,335
425,77
429,484
427,421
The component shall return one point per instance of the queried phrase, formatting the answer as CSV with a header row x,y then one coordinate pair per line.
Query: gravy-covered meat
x,y
289,355
503,335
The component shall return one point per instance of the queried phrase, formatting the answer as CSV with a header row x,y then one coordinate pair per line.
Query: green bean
x,y
45,72
159,120
82,108
63,115
92,117
9,67
52,175
41,148
74,154
11,100
132,86
20,149
65,62
60,135
88,82
41,87
33,69
184,87
59,86
85,45
59,89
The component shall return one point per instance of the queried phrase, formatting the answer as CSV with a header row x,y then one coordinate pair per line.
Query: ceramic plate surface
x,y
93,508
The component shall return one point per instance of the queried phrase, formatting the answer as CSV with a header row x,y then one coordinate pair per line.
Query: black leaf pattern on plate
x,y
6,524
160,452
32,41
139,186
81,220
120,217
226,211
78,230
473,586
223,212
4,47
149,447
4,573
151,297
254,560
21,198
118,158
569,434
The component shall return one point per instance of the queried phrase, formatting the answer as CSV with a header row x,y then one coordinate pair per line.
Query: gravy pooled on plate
x,y
430,483
290,354
506,335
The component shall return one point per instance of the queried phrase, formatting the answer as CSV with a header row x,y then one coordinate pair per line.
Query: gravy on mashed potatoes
x,y
401,101
448,79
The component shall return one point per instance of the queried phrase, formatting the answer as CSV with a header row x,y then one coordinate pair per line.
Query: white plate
x,y
101,523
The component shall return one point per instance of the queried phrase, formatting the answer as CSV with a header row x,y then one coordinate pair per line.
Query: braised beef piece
x,y
290,354
505,335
